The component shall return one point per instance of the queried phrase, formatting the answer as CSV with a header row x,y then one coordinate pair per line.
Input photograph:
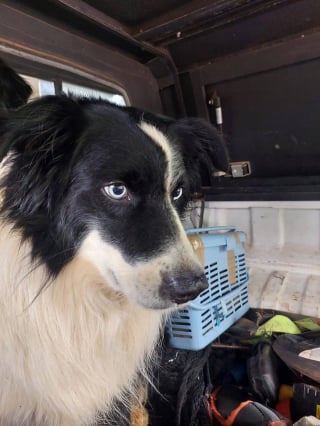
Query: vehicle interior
x,y
250,68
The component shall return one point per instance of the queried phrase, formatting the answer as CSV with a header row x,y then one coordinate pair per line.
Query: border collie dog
x,y
92,250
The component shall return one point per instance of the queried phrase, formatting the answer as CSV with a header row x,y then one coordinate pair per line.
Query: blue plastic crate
x,y
221,249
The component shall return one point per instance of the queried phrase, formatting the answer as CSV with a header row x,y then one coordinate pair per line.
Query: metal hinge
x,y
237,169
240,169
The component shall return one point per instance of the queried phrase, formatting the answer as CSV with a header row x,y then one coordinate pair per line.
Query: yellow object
x,y
278,324
285,392
308,324
198,247
232,266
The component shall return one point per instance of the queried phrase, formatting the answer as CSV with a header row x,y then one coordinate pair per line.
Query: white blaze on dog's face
x,y
141,250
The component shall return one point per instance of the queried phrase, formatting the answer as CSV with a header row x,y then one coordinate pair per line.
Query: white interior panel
x,y
282,248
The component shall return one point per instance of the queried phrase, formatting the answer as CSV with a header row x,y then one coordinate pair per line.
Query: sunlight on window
x,y
93,93
45,87
39,87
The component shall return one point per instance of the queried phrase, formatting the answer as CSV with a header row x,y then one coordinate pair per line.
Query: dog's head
x,y
97,181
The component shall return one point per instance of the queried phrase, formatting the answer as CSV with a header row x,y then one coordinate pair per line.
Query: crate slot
x,y
205,293
207,331
206,318
207,324
185,330
180,323
182,336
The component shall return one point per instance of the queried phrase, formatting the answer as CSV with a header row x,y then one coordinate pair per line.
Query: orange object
x,y
230,420
285,392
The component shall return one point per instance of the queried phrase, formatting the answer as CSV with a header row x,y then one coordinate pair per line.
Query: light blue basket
x,y
225,300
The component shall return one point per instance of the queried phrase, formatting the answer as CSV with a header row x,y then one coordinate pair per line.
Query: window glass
x,y
46,87
92,93
39,87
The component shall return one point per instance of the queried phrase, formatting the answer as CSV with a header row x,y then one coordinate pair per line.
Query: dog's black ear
x,y
41,137
203,149
45,127
14,90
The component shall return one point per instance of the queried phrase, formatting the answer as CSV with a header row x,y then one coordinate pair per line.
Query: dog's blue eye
x,y
116,191
176,194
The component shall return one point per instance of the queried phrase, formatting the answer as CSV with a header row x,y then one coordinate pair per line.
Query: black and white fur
x,y
92,250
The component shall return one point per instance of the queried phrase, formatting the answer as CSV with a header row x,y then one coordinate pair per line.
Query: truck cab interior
x,y
258,58
250,68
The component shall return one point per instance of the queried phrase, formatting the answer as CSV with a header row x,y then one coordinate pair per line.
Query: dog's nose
x,y
181,287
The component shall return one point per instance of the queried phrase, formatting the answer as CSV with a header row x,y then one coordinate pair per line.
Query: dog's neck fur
x,y
72,348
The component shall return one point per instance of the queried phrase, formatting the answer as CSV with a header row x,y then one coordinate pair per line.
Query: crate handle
x,y
210,229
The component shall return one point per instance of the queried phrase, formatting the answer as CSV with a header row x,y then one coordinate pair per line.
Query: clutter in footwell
x,y
263,371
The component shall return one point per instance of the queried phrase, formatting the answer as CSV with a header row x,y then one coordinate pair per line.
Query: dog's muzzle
x,y
181,287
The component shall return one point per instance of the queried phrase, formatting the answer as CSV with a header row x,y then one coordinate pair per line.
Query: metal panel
x,y
22,36
250,32
283,251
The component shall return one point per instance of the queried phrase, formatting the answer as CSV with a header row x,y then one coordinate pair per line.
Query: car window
x,y
92,93
42,87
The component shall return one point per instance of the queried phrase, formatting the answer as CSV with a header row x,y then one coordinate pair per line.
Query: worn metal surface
x,y
45,49
199,16
196,33
282,250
